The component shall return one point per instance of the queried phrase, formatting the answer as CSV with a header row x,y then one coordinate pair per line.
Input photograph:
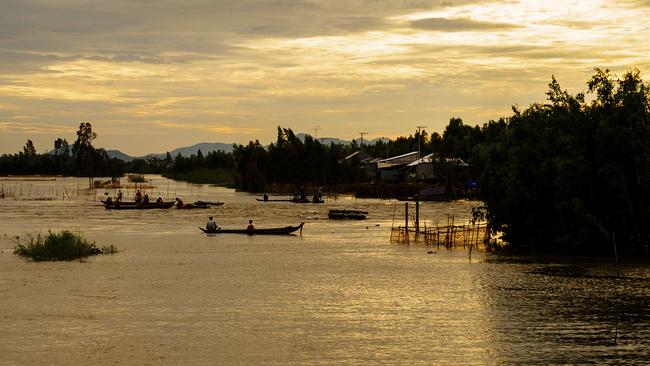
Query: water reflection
x,y
341,293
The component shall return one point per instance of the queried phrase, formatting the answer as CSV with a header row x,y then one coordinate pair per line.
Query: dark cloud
x,y
35,34
458,25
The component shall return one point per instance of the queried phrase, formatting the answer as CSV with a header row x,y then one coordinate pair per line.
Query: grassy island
x,y
63,246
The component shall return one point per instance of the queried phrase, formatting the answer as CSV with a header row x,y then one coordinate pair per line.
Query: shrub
x,y
63,246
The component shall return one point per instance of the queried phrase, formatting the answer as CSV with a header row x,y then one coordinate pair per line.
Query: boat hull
x,y
290,200
140,206
271,231
347,215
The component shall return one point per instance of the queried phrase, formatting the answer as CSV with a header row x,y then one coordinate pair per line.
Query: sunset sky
x,y
158,74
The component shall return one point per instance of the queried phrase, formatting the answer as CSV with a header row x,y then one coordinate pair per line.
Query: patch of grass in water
x,y
63,246
136,178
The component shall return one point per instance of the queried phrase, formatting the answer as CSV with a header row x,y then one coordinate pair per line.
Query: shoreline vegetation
x,y
63,246
215,176
570,174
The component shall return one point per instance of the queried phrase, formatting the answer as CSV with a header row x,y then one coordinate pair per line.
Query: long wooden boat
x,y
133,203
290,200
347,214
138,206
191,206
270,231
208,203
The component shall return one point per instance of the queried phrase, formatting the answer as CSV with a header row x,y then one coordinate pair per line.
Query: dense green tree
x,y
29,149
569,175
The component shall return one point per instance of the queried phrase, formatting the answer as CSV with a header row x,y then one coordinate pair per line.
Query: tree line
x,y
79,159
571,174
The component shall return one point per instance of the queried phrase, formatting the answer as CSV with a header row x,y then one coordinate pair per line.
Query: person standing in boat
x,y
250,226
266,197
211,225
119,196
145,199
138,196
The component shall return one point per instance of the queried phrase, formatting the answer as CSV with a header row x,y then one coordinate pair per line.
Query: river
x,y
341,293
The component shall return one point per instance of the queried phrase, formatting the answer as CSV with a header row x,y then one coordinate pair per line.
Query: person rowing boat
x,y
264,231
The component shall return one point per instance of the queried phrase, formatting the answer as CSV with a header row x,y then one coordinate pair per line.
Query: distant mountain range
x,y
207,147
328,140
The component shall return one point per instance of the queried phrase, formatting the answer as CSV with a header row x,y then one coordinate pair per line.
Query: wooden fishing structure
x,y
469,234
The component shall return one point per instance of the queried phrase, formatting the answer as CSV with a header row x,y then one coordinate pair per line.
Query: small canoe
x,y
139,206
270,231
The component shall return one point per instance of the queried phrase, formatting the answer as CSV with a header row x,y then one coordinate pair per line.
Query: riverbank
x,y
380,190
218,177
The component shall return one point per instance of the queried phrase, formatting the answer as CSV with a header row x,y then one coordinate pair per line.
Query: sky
x,y
153,75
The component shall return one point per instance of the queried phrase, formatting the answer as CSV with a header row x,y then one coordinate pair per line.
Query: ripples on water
x,y
340,294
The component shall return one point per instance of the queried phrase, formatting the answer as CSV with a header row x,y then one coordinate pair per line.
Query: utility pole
x,y
316,128
361,143
420,139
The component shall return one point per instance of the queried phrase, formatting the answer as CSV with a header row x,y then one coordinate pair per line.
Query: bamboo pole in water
x,y
406,220
417,216
618,273
451,241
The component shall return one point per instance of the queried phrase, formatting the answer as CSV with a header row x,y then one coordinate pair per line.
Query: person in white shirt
x,y
211,225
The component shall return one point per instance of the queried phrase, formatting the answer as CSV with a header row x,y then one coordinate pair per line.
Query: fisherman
x,y
250,226
138,196
303,194
119,196
211,225
179,202
146,198
318,196
266,197
159,200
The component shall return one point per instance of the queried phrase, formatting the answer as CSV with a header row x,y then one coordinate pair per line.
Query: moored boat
x,y
269,231
292,200
347,214
208,203
191,206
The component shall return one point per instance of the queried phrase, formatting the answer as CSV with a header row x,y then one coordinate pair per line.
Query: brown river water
x,y
339,294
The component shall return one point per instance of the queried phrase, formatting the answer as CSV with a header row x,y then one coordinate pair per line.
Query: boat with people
x,y
136,205
347,214
268,231
189,206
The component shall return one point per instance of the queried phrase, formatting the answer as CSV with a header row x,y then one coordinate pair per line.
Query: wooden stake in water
x,y
417,215
618,273
406,220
